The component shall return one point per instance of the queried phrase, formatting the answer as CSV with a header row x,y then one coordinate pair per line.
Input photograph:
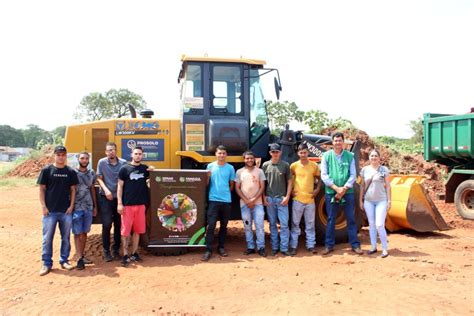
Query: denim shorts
x,y
81,222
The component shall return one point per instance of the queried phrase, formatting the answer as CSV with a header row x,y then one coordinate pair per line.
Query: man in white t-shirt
x,y
250,184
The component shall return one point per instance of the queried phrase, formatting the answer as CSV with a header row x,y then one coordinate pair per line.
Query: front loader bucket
x,y
412,208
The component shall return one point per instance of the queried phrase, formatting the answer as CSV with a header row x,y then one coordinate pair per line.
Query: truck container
x,y
449,140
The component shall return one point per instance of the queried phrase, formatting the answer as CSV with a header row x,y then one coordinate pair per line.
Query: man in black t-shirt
x,y
57,194
132,198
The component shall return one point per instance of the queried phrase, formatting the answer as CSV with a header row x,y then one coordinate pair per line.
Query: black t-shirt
x,y
135,190
58,183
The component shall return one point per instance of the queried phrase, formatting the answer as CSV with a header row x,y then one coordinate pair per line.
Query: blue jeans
x,y
332,211
277,212
49,227
308,211
376,213
257,215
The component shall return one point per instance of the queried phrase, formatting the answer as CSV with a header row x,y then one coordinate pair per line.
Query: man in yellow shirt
x,y
306,186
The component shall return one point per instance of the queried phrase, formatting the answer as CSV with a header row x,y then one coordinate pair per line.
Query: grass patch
x,y
5,167
12,182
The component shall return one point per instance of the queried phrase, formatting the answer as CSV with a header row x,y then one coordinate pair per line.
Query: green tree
x,y
282,113
417,128
10,136
111,104
120,100
316,120
93,107
60,131
340,124
34,134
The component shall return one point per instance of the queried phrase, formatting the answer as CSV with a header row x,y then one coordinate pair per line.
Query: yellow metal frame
x,y
224,60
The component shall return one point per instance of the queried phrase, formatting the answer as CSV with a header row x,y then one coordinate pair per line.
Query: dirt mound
x,y
398,163
32,167
450,215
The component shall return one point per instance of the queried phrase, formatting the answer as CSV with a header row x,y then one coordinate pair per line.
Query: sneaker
x,y
274,252
136,257
206,256
384,254
371,251
249,251
125,261
107,257
116,255
327,251
311,250
222,252
66,266
292,252
358,251
80,264
262,252
285,253
87,260
45,270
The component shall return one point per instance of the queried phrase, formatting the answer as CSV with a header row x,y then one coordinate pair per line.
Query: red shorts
x,y
133,216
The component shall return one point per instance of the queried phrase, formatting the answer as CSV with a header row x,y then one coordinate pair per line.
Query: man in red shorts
x,y
132,198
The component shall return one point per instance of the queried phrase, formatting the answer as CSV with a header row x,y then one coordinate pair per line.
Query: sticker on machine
x,y
153,149
194,136
193,103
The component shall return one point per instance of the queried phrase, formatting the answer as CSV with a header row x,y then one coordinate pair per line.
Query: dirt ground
x,y
429,273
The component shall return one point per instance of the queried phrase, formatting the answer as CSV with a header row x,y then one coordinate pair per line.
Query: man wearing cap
x,y
107,176
277,195
57,194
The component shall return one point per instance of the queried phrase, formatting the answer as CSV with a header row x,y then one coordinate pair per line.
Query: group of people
x,y
69,200
277,182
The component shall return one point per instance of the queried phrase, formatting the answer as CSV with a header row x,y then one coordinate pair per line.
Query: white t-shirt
x,y
376,191
250,181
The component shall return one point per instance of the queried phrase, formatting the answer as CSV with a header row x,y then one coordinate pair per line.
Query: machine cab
x,y
222,103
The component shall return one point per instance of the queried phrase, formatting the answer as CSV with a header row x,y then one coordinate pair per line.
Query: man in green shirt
x,y
338,173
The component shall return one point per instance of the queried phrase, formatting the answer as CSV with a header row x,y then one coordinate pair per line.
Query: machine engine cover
x,y
232,133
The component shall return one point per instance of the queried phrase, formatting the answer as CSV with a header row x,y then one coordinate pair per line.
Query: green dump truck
x,y
449,140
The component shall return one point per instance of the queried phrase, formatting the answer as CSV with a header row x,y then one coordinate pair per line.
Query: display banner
x,y
177,211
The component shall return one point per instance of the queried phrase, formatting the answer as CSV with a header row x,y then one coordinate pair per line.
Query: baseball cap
x,y
274,147
60,149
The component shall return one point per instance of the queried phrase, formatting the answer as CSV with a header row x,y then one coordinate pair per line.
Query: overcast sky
x,y
378,63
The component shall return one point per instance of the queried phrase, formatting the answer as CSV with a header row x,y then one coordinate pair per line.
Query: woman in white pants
x,y
375,198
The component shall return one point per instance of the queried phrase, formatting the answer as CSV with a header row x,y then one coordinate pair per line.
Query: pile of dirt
x,y
397,163
416,164
32,167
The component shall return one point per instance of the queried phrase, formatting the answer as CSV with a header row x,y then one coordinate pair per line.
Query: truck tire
x,y
464,199
321,221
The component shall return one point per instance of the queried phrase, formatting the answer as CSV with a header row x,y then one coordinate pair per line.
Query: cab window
x,y
226,90
191,90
